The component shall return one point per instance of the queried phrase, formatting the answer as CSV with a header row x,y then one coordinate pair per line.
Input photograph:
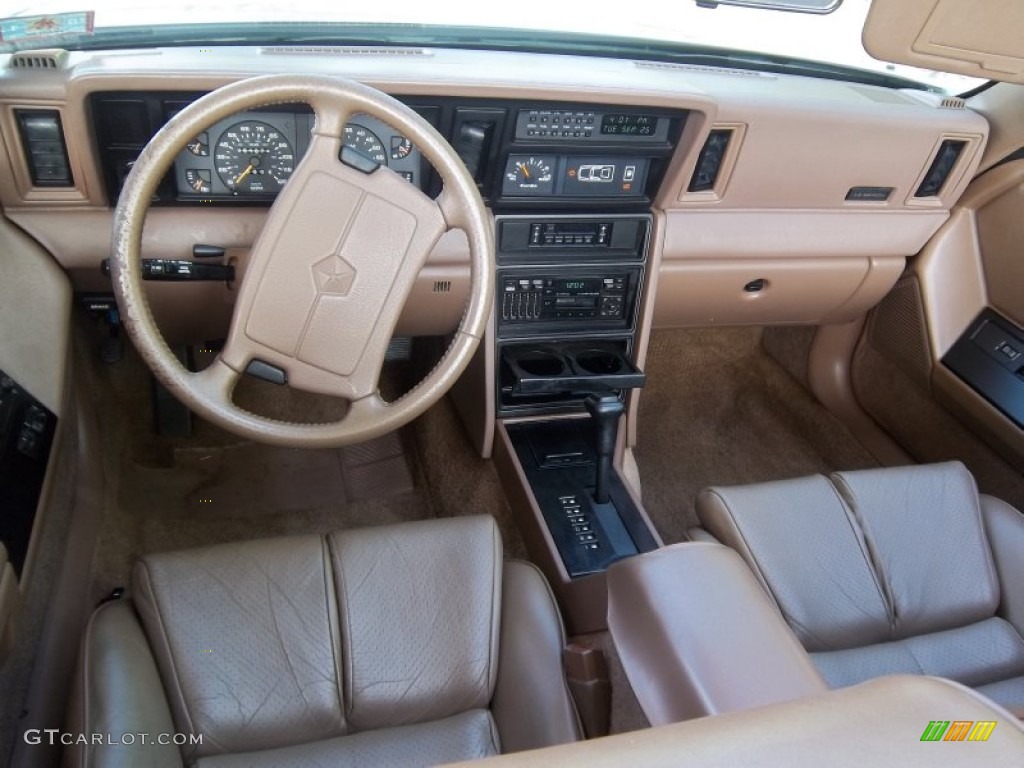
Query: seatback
x,y
309,641
268,643
877,571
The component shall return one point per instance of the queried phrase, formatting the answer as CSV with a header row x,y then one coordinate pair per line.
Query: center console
x,y
569,289
565,313
573,230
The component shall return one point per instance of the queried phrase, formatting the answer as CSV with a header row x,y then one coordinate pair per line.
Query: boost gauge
x,y
529,175
254,158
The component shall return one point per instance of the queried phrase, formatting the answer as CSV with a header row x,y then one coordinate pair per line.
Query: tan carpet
x,y
718,410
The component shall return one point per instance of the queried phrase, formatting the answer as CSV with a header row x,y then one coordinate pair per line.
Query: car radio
x,y
536,298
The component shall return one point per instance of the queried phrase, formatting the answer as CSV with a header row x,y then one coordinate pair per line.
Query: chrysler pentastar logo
x,y
334,275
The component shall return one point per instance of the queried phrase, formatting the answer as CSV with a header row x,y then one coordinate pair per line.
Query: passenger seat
x,y
887,571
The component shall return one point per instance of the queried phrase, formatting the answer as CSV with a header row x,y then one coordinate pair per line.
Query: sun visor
x,y
978,38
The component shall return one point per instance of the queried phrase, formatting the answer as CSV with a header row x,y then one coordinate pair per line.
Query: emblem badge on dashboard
x,y
334,276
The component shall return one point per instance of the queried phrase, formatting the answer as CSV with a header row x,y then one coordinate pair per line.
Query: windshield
x,y
735,36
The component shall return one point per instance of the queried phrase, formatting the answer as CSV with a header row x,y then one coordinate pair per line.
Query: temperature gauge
x,y
400,147
529,175
199,179
200,145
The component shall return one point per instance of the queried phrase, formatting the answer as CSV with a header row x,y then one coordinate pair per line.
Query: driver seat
x,y
409,644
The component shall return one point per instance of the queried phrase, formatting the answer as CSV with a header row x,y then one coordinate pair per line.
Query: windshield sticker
x,y
24,28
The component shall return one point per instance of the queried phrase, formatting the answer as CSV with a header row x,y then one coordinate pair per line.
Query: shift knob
x,y
604,411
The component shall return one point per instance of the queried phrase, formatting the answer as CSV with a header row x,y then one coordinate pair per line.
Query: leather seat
x,y
885,571
411,644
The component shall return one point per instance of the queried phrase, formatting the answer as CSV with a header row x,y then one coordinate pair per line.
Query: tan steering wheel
x,y
327,276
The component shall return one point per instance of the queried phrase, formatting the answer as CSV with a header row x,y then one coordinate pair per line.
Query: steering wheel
x,y
329,273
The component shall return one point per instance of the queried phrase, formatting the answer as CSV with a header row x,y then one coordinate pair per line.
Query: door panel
x,y
35,312
903,372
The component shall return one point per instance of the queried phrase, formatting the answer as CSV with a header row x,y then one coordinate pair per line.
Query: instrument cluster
x,y
251,155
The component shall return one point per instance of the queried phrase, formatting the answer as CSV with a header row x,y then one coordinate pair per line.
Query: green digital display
x,y
629,125
575,287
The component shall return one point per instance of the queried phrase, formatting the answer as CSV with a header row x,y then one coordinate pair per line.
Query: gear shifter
x,y
604,411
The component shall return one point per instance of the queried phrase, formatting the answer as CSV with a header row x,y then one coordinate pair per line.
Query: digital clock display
x,y
576,287
629,125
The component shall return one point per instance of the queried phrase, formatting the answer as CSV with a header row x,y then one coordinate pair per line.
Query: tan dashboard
x,y
819,195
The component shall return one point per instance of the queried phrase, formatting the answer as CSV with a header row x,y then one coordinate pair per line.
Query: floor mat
x,y
717,410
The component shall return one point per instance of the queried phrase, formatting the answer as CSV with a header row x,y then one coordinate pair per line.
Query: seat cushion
x,y
467,736
976,655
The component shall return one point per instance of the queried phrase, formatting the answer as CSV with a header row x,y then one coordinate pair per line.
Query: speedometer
x,y
365,142
254,158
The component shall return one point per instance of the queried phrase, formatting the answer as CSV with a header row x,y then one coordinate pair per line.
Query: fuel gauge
x,y
199,179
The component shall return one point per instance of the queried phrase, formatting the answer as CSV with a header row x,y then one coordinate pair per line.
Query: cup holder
x,y
599,362
540,363
569,368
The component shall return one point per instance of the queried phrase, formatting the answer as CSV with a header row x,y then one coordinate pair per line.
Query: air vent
x,y
50,59
952,102
949,152
442,286
332,50
703,69
709,163
45,152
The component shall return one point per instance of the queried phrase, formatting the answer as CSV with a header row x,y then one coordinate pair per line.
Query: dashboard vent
x,y
51,59
708,70
952,102
709,162
46,155
442,286
949,152
333,50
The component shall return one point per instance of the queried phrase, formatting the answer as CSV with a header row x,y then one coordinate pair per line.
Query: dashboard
x,y
772,198
520,153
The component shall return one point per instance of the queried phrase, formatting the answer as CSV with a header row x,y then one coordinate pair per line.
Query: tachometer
x,y
254,158
365,142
